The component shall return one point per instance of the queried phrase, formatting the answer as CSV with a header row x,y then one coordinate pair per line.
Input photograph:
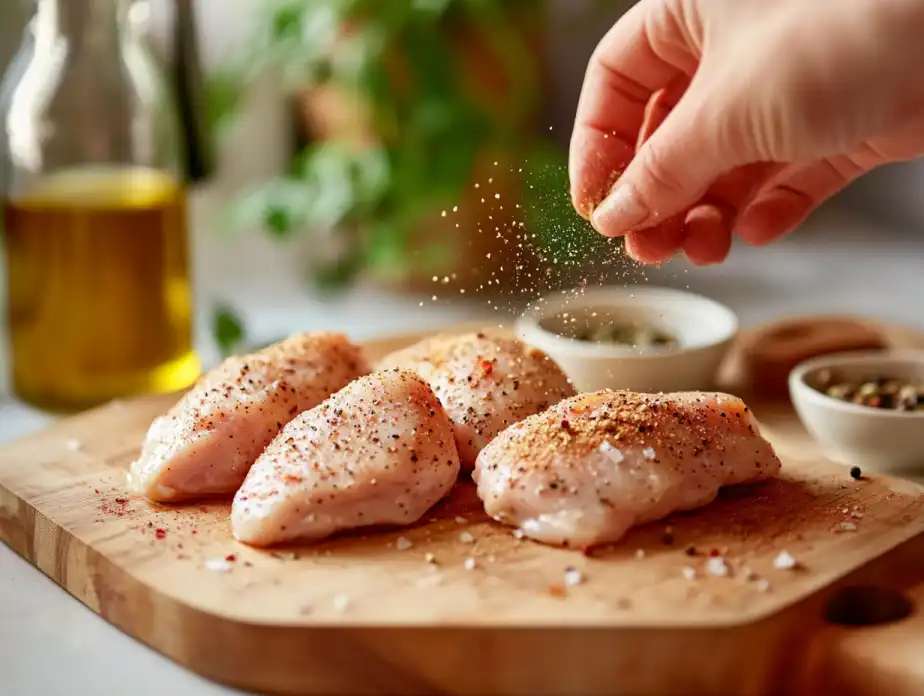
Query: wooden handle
x,y
873,644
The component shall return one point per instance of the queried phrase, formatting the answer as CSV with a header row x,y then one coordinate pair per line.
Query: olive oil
x,y
99,293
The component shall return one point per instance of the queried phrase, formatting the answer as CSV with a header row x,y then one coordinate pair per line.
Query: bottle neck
x,y
82,23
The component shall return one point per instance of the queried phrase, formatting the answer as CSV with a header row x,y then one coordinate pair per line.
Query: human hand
x,y
741,115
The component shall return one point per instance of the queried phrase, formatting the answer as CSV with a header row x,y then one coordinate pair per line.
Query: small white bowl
x,y
870,438
704,330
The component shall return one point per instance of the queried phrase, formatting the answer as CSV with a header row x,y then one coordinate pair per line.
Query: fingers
x,y
708,235
788,201
673,169
624,71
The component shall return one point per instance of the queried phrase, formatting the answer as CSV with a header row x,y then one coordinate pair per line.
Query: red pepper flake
x,y
230,558
714,553
193,531
587,550
160,533
96,490
121,501
557,591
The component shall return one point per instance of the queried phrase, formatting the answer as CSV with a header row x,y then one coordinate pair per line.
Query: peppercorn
x,y
855,473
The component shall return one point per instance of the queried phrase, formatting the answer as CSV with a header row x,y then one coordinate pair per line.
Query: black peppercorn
x,y
855,473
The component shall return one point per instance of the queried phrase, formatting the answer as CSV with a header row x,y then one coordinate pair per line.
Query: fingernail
x,y
619,212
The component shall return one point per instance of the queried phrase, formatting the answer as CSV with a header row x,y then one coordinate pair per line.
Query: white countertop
x,y
50,643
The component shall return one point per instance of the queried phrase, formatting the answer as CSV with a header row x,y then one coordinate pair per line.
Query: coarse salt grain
x,y
689,572
218,565
573,577
461,520
466,538
847,527
784,561
614,454
519,533
648,453
717,566
763,585
403,544
469,563
341,603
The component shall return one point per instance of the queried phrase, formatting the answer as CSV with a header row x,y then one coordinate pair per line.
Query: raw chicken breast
x,y
587,470
485,383
206,443
379,452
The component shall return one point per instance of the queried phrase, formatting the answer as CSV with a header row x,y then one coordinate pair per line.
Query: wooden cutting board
x,y
364,614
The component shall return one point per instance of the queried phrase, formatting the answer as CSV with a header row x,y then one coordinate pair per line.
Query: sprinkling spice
x,y
856,473
573,577
403,544
217,565
785,561
847,527
341,603
716,566
557,591
689,572
466,538
469,563
230,558
160,533
639,554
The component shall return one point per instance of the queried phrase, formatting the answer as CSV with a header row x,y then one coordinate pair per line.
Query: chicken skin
x,y
378,452
585,471
207,442
485,383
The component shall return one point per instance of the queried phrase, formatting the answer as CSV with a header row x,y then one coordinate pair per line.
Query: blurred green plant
x,y
428,126
429,130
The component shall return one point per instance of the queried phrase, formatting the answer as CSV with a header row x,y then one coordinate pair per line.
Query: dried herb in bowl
x,y
875,391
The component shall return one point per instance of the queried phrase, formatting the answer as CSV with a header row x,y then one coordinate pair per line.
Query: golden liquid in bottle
x,y
100,304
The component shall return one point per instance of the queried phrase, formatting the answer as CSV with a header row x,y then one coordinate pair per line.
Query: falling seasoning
x,y
469,563
403,544
466,538
573,577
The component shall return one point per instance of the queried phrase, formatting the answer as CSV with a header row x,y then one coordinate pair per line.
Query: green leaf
x,y
227,329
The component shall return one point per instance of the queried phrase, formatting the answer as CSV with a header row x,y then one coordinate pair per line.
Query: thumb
x,y
673,169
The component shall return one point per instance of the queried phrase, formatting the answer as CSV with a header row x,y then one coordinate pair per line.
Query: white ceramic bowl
x,y
871,438
704,330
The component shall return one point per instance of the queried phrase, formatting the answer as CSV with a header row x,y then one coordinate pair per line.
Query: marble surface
x,y
49,643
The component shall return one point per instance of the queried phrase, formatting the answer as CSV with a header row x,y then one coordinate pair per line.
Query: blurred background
x,y
406,169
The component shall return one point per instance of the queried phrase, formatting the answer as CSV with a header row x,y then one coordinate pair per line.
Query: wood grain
x,y
275,621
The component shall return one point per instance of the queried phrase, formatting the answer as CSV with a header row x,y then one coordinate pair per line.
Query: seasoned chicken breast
x,y
485,383
206,443
379,452
590,468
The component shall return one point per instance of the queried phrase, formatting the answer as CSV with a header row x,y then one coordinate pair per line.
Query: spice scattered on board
x,y
875,391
